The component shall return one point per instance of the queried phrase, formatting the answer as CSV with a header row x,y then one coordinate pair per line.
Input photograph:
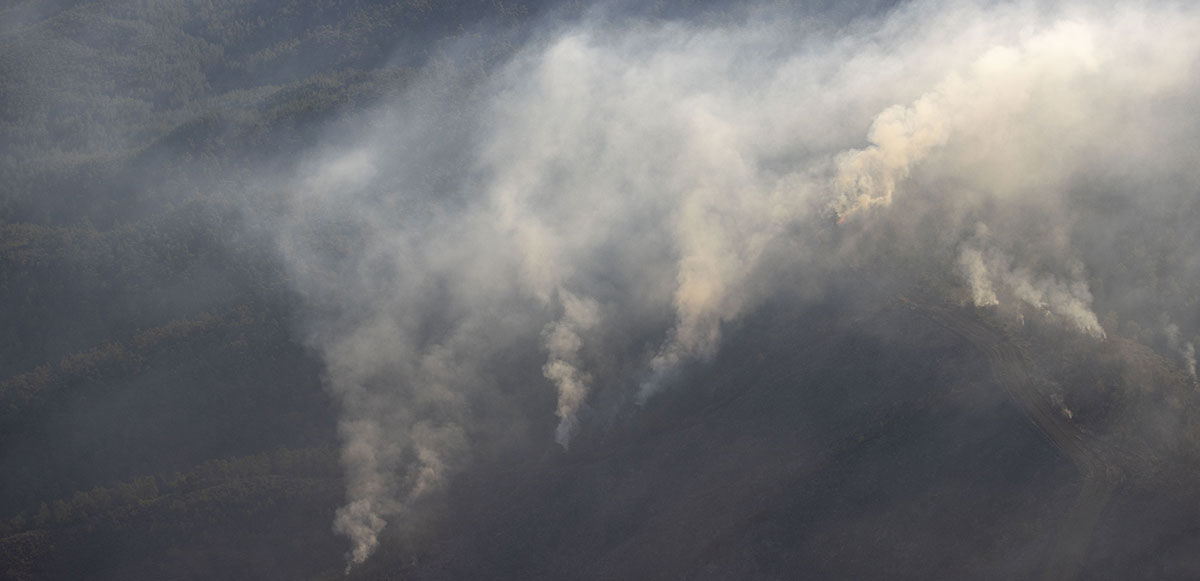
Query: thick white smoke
x,y
616,192
643,149
975,269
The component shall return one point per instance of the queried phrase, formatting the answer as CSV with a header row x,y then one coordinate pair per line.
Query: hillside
x,y
377,289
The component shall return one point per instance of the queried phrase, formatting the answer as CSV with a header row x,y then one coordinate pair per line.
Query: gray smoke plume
x,y
987,269
1185,348
973,267
613,195
1189,357
562,369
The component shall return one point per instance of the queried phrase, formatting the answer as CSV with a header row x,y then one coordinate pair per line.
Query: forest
x,y
302,289
156,399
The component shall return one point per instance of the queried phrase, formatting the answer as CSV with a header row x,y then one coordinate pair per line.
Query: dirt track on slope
x,y
1100,478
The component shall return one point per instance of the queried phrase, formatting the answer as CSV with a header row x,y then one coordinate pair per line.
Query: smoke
x,y
987,269
900,137
1186,349
393,309
1000,90
657,148
1189,357
614,196
971,263
562,369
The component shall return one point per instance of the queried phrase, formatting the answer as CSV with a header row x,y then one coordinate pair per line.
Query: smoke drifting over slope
x,y
1186,349
617,194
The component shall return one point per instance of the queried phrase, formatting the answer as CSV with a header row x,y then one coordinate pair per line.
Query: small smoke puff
x,y
1189,357
971,265
562,341
1186,349
362,523
434,445
342,171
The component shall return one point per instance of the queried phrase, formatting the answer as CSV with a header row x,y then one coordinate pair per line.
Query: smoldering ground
x,y
616,192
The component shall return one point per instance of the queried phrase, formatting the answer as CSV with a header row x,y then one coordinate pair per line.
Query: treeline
x,y
69,288
113,360
169,397
110,109
151,522
147,326
104,506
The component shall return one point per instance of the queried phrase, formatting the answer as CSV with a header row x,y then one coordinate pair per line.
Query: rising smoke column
x,y
623,191
1022,117
986,270
406,314
639,157
1186,349
563,366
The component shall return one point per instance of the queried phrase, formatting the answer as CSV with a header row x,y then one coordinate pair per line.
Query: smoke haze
x,y
619,191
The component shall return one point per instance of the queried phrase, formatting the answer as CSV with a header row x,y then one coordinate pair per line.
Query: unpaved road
x,y
1100,478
